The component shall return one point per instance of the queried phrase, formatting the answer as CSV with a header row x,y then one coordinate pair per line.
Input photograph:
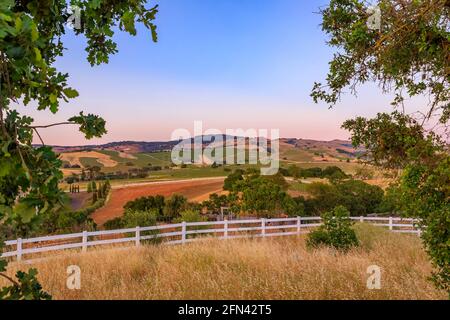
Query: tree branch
x,y
9,278
50,125
40,138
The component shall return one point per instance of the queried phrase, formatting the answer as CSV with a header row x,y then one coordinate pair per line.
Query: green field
x,y
90,162
163,159
297,155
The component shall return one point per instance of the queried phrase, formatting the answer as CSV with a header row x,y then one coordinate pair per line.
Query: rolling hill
x,y
125,155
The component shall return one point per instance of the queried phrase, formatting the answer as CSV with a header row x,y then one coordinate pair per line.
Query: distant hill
x,y
121,146
315,150
311,148
125,158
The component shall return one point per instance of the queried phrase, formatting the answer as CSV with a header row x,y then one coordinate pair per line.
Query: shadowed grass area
x,y
275,268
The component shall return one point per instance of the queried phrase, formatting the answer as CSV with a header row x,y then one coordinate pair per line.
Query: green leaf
x,y
5,17
38,54
3,265
5,168
5,148
91,125
25,211
18,24
53,98
34,33
71,93
95,4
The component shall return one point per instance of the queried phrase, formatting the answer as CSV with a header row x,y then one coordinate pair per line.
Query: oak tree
x,y
31,39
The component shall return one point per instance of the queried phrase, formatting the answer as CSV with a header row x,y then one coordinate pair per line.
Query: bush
x,y
135,218
113,224
232,179
174,205
335,232
146,204
190,216
358,197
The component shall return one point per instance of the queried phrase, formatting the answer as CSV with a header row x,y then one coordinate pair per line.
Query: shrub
x,y
174,205
147,203
335,232
358,197
190,216
232,179
116,223
135,218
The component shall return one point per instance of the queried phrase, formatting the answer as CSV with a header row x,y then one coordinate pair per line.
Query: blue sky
x,y
230,63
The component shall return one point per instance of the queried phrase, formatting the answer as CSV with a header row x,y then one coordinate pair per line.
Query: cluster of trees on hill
x,y
100,192
95,173
252,193
146,211
331,172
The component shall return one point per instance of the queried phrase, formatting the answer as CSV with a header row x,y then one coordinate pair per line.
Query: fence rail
x,y
187,232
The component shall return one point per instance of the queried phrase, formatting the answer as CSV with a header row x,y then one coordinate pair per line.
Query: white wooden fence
x,y
184,232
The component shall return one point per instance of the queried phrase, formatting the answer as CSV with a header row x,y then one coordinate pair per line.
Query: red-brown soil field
x,y
194,190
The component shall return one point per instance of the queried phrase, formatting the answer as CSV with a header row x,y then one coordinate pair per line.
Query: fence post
x,y
183,232
390,223
19,249
85,240
263,227
138,236
299,224
361,219
225,228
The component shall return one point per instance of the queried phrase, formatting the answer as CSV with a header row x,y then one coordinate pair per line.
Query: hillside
x,y
116,155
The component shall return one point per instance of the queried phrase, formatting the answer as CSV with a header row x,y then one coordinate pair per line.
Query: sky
x,y
229,63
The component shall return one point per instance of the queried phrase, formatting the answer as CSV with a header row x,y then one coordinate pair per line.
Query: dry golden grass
x,y
276,268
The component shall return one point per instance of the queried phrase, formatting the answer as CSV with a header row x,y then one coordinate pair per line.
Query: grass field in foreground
x,y
276,268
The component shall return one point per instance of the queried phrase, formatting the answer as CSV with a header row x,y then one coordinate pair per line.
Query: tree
x,y
137,218
261,196
175,205
422,189
333,173
356,196
147,203
30,42
190,216
216,202
407,53
94,197
94,186
232,178
388,138
335,231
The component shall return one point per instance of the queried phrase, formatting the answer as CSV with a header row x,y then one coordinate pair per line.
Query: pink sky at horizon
x,y
134,123
139,122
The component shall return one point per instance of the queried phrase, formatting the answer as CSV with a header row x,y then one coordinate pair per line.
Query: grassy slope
x,y
296,157
277,268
